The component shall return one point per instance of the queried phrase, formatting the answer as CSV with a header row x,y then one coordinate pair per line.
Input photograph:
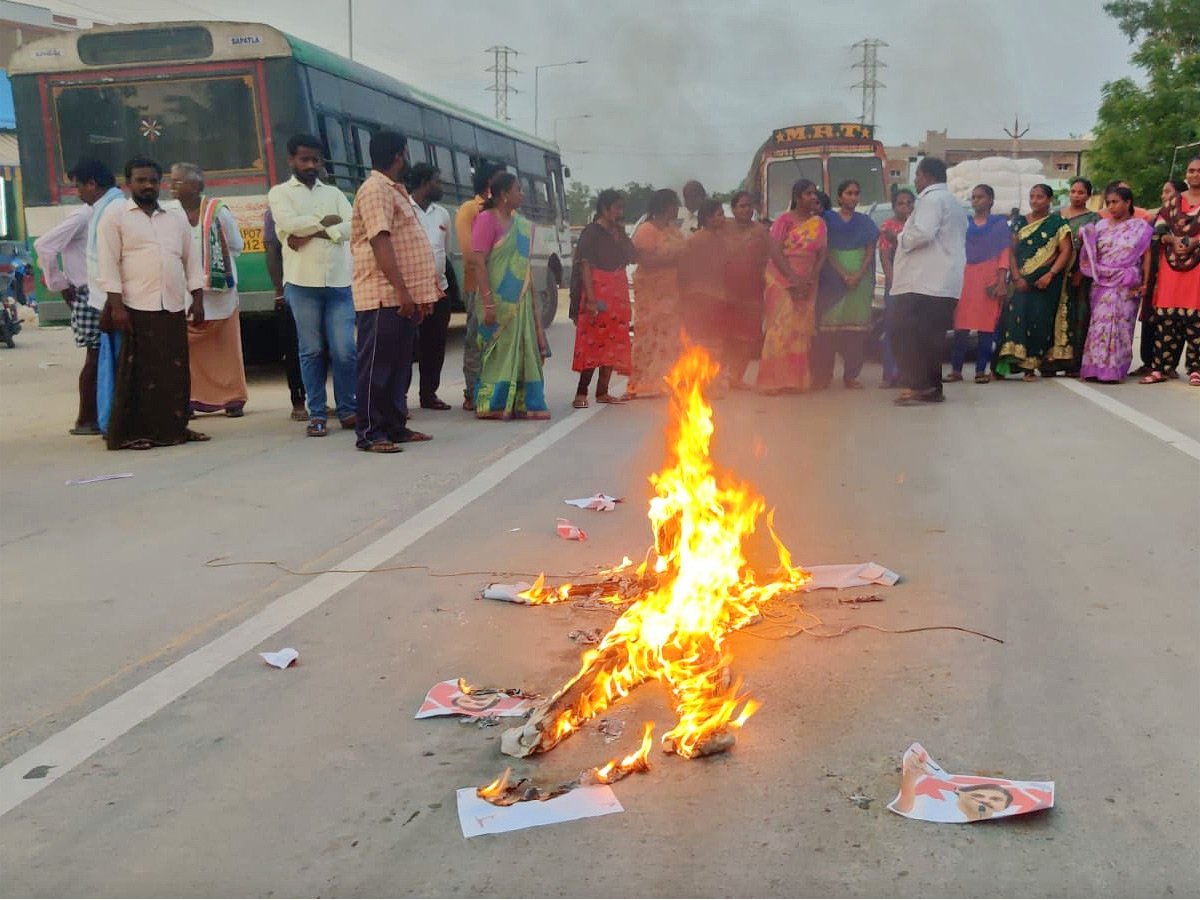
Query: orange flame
x,y
705,589
496,788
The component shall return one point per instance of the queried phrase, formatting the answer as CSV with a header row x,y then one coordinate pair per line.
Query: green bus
x,y
227,96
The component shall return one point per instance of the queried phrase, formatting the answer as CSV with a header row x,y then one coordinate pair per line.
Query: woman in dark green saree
x,y
1042,250
1074,308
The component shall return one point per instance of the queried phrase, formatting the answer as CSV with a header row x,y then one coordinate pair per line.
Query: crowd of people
x,y
1043,293
363,289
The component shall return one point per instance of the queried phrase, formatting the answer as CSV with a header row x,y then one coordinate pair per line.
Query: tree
x,y
1139,126
581,203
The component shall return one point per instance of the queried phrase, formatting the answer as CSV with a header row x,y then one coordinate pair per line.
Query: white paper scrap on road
x,y
445,699
928,793
598,502
480,817
96,478
281,659
850,575
509,592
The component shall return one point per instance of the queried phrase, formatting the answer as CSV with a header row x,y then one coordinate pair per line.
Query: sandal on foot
x,y
952,377
381,447
299,414
852,384
317,428
609,398
195,437
414,437
907,398
983,378
1194,379
1153,378
89,430
1029,377
580,403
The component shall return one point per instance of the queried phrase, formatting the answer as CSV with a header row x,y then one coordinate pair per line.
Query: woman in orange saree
x,y
790,299
656,318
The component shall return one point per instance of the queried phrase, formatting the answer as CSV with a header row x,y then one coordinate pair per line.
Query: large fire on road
x,y
698,589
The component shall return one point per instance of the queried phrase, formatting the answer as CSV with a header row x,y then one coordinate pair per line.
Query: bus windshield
x,y
782,174
866,170
210,121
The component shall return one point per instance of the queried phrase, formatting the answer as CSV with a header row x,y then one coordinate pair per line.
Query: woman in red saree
x,y
602,327
790,300
751,247
702,281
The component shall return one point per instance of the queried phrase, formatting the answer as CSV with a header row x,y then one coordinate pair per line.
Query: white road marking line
x,y
1164,433
78,741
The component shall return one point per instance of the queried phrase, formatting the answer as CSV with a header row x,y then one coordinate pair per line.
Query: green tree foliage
x,y
581,203
1139,125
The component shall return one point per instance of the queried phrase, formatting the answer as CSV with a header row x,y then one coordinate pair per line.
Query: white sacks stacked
x,y
1010,178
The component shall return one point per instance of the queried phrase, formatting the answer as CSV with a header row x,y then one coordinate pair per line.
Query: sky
x,y
676,90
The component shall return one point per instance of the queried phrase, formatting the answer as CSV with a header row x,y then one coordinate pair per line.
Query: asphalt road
x,y
181,765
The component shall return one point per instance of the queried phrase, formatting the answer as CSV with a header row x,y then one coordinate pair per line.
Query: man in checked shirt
x,y
395,286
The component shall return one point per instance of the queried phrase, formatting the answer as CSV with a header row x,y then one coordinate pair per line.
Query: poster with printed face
x,y
447,699
927,792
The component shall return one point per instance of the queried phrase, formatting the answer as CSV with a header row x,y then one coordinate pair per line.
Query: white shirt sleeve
x,y
233,234
54,242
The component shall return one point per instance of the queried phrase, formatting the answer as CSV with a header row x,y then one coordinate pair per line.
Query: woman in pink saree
x,y
790,299
1115,254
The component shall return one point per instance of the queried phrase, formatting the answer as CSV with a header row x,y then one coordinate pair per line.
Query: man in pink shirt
x,y
147,269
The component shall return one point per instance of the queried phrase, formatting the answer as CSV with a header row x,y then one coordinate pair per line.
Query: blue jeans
x,y
891,368
983,353
325,322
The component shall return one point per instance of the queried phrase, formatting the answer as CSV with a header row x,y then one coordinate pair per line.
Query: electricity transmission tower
x,y
500,86
870,81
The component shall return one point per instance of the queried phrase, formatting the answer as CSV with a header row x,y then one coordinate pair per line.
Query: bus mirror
x,y
566,171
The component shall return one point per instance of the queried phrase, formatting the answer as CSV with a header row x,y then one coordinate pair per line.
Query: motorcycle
x,y
10,322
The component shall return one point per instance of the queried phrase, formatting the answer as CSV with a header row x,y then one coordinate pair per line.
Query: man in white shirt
x,y
931,257
147,268
693,195
425,188
312,220
62,253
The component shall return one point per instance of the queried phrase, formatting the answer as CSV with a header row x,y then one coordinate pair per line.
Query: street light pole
x,y
350,26
536,71
565,118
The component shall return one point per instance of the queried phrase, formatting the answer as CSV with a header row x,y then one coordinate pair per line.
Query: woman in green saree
x,y
1074,307
1042,250
511,339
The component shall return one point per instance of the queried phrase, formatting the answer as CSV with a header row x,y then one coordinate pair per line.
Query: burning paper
x,y
694,589
568,530
477,816
852,575
457,698
598,502
508,592
928,793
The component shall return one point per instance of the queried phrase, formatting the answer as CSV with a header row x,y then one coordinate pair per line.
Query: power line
x,y
500,86
870,83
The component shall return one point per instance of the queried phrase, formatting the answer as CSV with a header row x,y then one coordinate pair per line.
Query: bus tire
x,y
550,299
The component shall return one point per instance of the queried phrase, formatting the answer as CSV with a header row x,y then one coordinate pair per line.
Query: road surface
x,y
1058,517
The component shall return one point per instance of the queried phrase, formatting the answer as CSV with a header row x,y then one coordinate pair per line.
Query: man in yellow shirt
x,y
464,221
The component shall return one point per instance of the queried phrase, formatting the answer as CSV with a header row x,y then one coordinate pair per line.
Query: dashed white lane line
x,y
78,741
1153,427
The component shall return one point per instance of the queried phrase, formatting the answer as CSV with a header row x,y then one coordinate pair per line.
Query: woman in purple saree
x,y
1114,253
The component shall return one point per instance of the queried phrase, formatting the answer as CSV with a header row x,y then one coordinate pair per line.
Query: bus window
x,y
530,159
462,164
443,161
464,135
556,172
496,148
326,89
363,135
171,120
540,198
437,125
402,115
337,155
866,170
417,151
782,174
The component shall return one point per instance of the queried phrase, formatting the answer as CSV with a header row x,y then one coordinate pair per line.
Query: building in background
x,y
19,24
1062,158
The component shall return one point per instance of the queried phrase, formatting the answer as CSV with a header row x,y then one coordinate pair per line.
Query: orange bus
x,y
825,154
